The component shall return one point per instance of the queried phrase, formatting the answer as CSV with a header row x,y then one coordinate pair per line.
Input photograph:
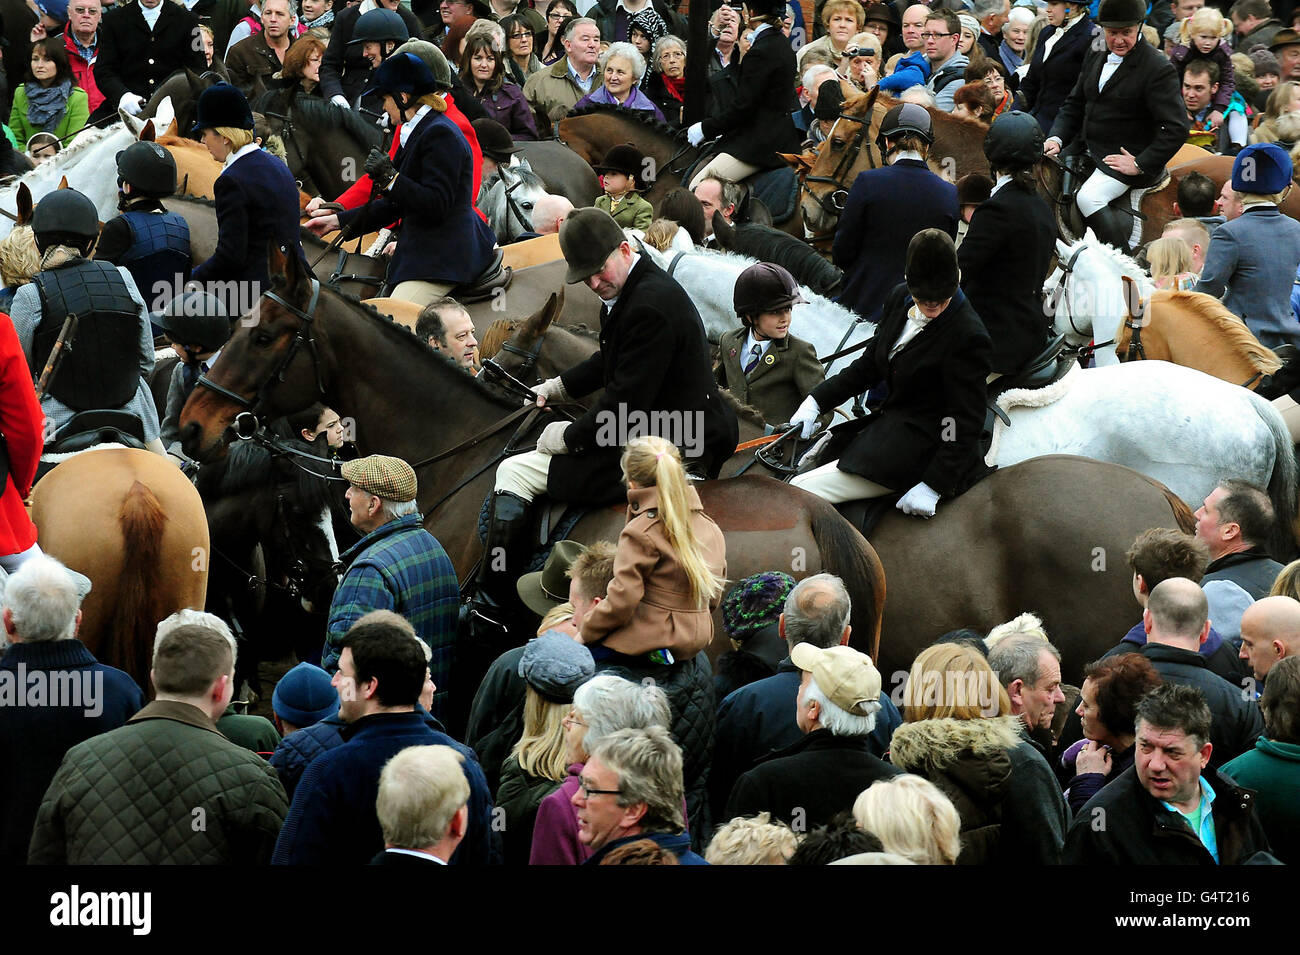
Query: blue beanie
x,y
1261,169
305,696
54,9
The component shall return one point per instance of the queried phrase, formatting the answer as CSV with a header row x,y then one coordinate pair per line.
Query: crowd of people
x,y
598,728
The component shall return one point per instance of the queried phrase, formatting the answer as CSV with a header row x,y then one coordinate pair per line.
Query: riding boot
x,y
503,556
1112,226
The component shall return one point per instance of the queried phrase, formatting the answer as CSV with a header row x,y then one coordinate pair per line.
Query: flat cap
x,y
555,665
387,477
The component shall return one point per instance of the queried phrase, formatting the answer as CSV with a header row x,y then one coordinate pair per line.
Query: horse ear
x,y
196,84
63,183
1062,249
871,99
723,231
148,133
173,130
1133,303
549,312
133,123
801,163
286,271
25,205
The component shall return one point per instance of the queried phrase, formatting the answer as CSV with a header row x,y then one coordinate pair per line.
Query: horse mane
x,y
497,334
772,245
317,110
642,116
1125,264
1228,328
199,201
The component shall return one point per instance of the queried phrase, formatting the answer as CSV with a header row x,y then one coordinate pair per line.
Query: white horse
x,y
1087,291
507,198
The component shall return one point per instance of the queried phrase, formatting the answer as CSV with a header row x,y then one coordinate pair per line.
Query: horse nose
x,y
190,435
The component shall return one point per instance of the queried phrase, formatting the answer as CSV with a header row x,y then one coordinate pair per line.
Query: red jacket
x,y
358,194
83,71
22,423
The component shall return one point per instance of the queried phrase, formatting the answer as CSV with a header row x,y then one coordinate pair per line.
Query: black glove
x,y
380,168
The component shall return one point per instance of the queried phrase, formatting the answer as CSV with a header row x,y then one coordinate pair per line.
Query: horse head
x,y
270,367
521,355
849,148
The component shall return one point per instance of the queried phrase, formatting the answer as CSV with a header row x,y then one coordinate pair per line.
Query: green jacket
x,y
518,796
1272,770
634,211
166,788
74,116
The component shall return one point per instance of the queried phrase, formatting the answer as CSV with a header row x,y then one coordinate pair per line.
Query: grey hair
x,y
817,610
728,189
1025,625
577,22
495,34
610,703
665,41
420,791
984,8
1021,15
395,509
1016,658
42,598
809,78
624,51
917,94
649,767
197,618
836,718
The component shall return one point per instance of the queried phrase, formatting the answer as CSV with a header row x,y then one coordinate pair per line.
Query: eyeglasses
x,y
588,792
935,36
557,16
521,36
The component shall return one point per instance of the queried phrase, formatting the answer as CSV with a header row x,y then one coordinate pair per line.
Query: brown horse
x,y
132,523
408,401
1194,329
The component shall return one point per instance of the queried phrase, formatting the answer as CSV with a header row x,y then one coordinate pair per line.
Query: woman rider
x,y
428,185
933,352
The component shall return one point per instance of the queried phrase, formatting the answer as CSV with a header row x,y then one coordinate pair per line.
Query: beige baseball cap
x,y
847,677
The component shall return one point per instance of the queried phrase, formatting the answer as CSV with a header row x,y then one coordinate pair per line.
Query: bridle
x,y
501,376
510,184
289,138
834,202
1085,351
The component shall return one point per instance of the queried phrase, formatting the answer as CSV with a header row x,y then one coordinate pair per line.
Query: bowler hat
x,y
222,105
494,140
587,238
1287,37
883,13
1118,14
931,272
384,476
304,696
1261,169
555,665
547,588
624,158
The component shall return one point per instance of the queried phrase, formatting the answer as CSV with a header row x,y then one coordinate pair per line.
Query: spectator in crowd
x,y
842,20
42,611
140,45
1254,23
1266,77
751,614
81,43
974,101
1171,807
622,68
947,63
558,15
483,70
1282,101
303,697
838,841
912,818
254,60
640,852
1270,632
1286,47
1235,522
422,806
602,706
716,196
1171,266
318,18
1014,45
549,214
809,783
992,16
666,84
50,100
134,795
446,326
520,60
1112,688
1272,768
631,788
1194,235
300,75
752,841
1176,624
553,92
1030,670
958,732
380,678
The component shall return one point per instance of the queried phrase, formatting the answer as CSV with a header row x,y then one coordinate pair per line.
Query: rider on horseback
x,y
107,349
1127,99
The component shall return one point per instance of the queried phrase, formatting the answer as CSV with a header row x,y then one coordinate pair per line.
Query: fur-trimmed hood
x,y
935,747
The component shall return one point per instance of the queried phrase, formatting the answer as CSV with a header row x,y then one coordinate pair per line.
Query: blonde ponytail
x,y
651,461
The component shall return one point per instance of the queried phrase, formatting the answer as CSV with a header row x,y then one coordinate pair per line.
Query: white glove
x,y
807,416
920,501
339,100
552,389
131,103
695,135
551,440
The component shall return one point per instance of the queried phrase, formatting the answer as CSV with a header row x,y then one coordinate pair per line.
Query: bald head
x,y
817,611
914,25
1177,614
549,214
1270,631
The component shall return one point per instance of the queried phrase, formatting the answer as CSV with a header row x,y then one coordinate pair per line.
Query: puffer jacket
x,y
134,796
689,687
519,796
297,750
1012,811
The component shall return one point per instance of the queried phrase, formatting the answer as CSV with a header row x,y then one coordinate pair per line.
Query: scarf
x,y
47,104
57,256
324,20
676,87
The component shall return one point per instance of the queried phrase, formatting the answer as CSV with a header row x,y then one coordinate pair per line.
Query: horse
x,y
409,401
766,244
325,145
564,172
1086,294
507,198
132,523
182,88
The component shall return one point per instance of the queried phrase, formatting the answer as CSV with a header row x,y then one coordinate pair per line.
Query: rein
x,y
833,203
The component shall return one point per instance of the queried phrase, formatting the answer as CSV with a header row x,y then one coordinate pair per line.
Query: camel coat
x,y
648,604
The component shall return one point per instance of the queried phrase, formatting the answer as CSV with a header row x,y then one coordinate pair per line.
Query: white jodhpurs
x,y
1098,192
524,475
831,484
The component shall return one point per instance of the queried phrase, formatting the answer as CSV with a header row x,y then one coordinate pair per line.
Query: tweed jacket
x,y
784,376
1251,264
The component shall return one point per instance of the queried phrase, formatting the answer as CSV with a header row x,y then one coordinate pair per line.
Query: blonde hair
x,y
651,461
1287,583
557,614
912,818
238,138
1027,624
952,681
19,258
851,7
755,840
1169,256
1206,20
659,233
420,791
540,750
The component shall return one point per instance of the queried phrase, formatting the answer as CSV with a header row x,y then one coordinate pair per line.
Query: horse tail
x,y
137,605
1182,513
847,554
1282,482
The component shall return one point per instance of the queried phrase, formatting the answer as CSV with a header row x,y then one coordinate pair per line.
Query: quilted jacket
x,y
167,788
297,750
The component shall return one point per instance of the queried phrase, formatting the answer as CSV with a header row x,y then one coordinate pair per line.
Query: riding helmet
x,y
149,169
624,158
494,140
402,73
222,105
764,287
65,217
1261,169
197,319
1015,139
433,59
1118,14
830,99
908,118
931,272
379,26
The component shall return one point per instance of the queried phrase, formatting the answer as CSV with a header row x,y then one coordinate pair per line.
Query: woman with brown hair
x,y
300,75
558,15
482,69
50,101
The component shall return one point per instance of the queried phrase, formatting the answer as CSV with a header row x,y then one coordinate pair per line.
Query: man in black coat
x,y
933,352
1128,105
140,45
1169,808
820,776
1058,57
344,70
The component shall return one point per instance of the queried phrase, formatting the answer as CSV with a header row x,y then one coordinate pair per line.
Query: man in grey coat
x,y
1252,260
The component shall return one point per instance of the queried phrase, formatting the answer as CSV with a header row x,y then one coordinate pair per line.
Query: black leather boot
x,y
1112,226
503,557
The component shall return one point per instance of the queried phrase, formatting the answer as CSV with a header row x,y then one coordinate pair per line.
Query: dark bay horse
x,y
184,87
325,146
409,401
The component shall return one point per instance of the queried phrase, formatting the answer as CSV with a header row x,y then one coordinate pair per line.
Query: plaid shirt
x,y
400,567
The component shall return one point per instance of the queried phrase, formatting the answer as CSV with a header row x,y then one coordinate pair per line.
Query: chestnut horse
x,y
409,401
134,524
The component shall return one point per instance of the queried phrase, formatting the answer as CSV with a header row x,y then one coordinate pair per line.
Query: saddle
x,y
495,276
1120,223
90,429
1047,367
